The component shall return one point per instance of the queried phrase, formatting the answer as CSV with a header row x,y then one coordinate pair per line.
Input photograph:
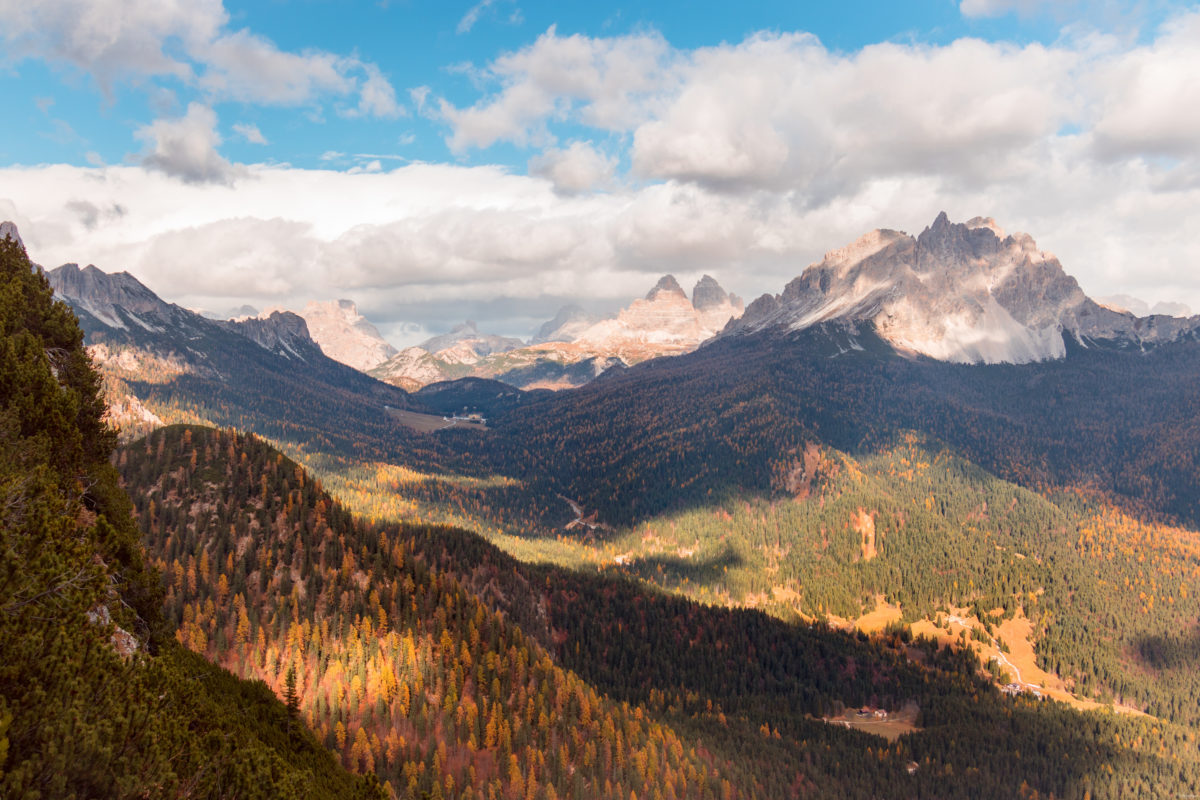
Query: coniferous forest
x,y
97,699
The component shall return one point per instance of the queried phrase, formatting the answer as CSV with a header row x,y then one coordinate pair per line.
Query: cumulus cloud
x,y
188,40
377,98
1149,98
186,147
749,160
602,82
112,38
783,111
578,168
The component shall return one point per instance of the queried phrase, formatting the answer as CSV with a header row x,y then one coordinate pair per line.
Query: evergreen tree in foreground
x,y
96,700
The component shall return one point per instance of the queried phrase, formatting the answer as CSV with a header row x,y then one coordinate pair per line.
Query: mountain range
x,y
574,347
929,468
162,362
964,293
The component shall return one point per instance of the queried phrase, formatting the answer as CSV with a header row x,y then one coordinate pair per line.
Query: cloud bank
x,y
746,160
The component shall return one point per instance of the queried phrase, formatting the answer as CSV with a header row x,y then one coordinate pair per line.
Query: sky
x,y
494,159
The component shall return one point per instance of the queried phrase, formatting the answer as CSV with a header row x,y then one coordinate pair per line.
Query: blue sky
x,y
74,117
492,160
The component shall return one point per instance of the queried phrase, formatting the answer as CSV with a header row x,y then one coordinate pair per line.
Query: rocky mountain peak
x,y
465,344
666,284
963,292
282,332
345,335
101,294
9,230
708,293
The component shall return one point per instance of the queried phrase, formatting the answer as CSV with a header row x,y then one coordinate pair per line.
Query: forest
x,y
96,697
776,474
429,656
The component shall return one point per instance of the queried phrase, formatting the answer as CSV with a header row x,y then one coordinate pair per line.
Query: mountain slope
x,y
406,653
267,375
95,699
964,293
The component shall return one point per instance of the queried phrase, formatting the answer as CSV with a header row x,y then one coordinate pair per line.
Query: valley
x,y
712,553
491,400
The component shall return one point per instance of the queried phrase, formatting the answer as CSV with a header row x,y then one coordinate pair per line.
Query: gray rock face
x,y
668,284
101,294
9,229
708,294
957,292
282,332
124,306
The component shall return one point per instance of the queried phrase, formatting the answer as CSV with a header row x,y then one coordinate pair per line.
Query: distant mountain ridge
x,y
117,308
164,363
574,347
568,323
281,332
964,293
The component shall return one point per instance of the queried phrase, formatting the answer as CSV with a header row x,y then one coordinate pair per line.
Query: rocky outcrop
x,y
346,335
116,300
282,332
963,292
8,230
666,285
666,322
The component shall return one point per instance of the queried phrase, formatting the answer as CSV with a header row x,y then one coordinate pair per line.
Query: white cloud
x,y
447,236
602,82
377,98
578,168
784,112
249,132
1149,97
186,147
781,112
248,68
472,16
755,157
111,39
187,40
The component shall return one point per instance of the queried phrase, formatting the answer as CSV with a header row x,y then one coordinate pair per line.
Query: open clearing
x,y
890,727
428,423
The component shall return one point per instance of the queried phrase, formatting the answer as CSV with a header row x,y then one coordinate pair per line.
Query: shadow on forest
x,y
704,571
1171,651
